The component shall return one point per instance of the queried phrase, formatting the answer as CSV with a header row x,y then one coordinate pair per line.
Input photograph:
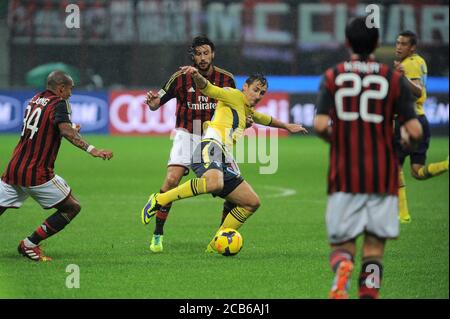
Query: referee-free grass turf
x,y
285,252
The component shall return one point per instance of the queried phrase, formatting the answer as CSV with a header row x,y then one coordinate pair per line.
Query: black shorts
x,y
419,155
211,154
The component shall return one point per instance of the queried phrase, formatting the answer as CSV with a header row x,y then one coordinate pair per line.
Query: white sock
x,y
28,243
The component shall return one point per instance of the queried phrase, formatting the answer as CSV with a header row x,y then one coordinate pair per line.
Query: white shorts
x,y
184,144
47,195
349,215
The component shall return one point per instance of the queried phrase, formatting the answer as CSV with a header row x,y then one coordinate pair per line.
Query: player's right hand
x,y
152,100
189,69
105,154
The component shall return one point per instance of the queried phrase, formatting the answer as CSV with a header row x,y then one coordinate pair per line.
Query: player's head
x,y
255,87
360,38
405,44
202,53
60,83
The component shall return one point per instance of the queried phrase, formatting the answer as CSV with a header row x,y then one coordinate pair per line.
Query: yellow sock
x,y
433,169
191,188
236,217
402,202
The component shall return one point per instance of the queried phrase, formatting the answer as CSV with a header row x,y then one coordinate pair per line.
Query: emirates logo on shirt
x,y
202,104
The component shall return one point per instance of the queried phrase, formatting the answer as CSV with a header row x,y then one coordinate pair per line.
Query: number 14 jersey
x,y
33,159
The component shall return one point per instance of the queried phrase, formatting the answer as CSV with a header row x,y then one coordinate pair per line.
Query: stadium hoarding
x,y
124,112
89,109
128,114
436,106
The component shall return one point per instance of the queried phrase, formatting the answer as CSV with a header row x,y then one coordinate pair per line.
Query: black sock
x,y
49,227
227,207
161,217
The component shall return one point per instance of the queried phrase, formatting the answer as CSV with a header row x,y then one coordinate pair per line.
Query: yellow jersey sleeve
x,y
416,69
227,95
262,118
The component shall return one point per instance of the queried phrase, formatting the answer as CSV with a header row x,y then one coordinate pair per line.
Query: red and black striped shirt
x,y
32,162
361,98
191,103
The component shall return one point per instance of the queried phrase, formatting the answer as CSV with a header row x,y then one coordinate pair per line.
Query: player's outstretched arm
x,y
72,135
291,127
267,120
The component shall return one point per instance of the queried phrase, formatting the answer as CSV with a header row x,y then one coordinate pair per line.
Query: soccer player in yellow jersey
x,y
414,69
217,172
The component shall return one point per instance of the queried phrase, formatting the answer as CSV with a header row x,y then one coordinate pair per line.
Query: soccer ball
x,y
228,242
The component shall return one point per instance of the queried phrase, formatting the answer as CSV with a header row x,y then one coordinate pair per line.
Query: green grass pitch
x,y
285,253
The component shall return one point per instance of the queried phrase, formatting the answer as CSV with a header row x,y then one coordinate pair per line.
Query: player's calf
x,y
341,262
370,278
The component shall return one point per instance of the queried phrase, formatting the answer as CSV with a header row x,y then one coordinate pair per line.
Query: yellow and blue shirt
x,y
416,69
229,120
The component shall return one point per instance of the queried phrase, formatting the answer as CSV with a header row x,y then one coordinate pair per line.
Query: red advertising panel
x,y
276,105
128,115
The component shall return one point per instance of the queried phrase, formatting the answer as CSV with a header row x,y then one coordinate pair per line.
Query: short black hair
x,y
199,41
257,77
362,39
58,77
409,34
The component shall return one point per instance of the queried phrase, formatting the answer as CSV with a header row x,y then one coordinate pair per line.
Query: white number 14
x,y
30,117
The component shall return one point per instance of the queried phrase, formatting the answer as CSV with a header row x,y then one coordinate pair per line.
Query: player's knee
x,y
75,208
253,204
172,181
214,185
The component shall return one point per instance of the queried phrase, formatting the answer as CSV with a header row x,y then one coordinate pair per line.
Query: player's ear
x,y
212,55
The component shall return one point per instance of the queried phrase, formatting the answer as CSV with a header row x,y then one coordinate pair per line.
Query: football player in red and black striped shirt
x,y
360,98
30,172
193,110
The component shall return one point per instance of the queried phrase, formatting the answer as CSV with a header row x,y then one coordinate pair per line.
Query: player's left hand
x,y
249,121
296,128
104,154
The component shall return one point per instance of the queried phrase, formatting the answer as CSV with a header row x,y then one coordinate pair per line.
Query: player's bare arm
x,y
72,135
414,84
411,133
200,80
323,130
290,127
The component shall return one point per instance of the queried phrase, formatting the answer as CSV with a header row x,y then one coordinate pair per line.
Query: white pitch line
x,y
274,192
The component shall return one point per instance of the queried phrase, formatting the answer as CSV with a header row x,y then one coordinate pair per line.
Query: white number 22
x,y
30,117
365,96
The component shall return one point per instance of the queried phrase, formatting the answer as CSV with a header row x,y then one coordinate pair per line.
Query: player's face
x,y
203,58
403,47
254,92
